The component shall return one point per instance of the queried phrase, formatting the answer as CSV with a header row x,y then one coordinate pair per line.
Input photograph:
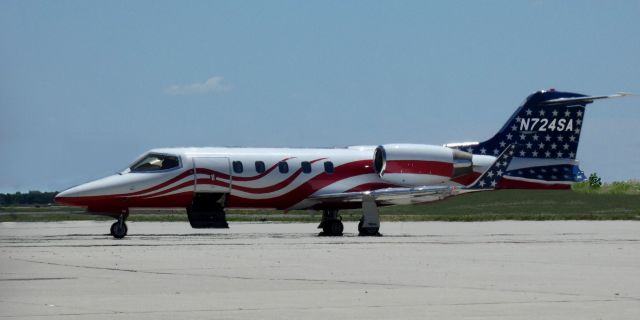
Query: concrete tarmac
x,y
417,270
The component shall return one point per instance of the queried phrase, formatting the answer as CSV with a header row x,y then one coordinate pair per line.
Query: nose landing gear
x,y
331,223
119,228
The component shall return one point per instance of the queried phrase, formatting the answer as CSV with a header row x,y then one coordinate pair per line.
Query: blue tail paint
x,y
547,132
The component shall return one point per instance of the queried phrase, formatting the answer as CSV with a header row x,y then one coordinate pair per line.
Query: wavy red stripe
x,y
157,199
467,179
444,169
306,189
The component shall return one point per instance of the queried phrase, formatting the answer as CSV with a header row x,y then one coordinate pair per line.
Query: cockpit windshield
x,y
155,162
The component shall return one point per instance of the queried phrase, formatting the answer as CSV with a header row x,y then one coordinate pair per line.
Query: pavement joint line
x,y
398,285
323,243
36,279
241,309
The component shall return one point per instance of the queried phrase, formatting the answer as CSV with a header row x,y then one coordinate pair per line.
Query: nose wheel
x,y
119,228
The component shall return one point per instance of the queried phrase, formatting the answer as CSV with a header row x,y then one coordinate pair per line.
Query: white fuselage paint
x,y
353,170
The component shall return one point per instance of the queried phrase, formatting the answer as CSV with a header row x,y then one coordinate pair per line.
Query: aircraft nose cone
x,y
64,198
94,193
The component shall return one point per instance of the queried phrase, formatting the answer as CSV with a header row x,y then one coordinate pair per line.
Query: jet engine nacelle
x,y
420,164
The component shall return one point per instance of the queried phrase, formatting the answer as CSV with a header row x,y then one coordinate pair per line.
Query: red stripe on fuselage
x,y
438,168
159,199
226,176
272,188
467,179
306,189
117,203
177,178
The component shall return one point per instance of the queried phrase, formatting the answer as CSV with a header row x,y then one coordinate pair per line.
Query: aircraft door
x,y
212,175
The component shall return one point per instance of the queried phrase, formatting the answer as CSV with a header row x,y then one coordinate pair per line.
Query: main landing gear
x,y
331,224
119,228
207,211
369,224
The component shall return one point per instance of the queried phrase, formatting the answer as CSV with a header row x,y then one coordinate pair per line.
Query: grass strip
x,y
533,205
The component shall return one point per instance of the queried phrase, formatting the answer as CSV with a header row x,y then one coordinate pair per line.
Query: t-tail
x,y
547,126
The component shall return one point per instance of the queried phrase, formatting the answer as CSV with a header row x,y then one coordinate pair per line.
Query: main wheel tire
x,y
333,228
119,230
197,220
362,231
207,219
369,232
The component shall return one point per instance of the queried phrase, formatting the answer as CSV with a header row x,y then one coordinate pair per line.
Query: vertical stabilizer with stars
x,y
546,130
547,126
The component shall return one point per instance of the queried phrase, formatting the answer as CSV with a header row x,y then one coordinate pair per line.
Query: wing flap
x,y
391,196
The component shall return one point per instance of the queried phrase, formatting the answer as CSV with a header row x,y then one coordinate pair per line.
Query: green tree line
x,y
29,198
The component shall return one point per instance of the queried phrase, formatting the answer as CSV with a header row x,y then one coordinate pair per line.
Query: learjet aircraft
x,y
535,149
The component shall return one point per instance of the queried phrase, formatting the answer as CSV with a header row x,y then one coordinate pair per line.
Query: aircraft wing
x,y
394,196
391,196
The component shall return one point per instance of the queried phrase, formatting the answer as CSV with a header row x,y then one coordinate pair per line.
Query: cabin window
x,y
283,167
260,168
328,167
306,166
155,162
237,167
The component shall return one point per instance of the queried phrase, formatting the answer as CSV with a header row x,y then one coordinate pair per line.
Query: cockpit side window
x,y
155,162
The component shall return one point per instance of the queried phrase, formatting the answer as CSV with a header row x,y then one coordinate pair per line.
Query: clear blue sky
x,y
87,86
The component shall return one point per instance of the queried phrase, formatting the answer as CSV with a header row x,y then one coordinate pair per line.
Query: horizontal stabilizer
x,y
490,178
585,99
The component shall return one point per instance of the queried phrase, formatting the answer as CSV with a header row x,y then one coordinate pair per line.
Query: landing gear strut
x,y
331,224
367,231
119,228
370,222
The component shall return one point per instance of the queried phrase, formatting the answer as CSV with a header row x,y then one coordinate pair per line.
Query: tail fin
x,y
547,126
546,130
491,178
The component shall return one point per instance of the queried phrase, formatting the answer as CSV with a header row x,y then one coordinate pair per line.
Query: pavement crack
x,y
37,279
337,281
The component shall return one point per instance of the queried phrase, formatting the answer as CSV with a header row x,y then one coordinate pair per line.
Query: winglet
x,y
490,178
